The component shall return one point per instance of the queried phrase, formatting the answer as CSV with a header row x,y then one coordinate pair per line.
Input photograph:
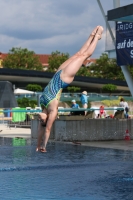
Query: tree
x,y
19,58
109,88
34,87
106,68
56,59
83,71
25,102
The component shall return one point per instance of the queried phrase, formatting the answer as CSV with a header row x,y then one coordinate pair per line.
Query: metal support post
x,y
105,18
128,78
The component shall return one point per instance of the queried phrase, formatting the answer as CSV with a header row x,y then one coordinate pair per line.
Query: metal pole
x,y
105,18
116,3
128,78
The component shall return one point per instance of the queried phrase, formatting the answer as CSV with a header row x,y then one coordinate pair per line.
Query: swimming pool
x,y
65,172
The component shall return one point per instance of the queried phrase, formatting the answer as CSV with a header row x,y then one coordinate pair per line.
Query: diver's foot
x,y
99,32
38,148
43,150
95,31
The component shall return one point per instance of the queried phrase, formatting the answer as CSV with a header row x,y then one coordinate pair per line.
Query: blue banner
x,y
124,43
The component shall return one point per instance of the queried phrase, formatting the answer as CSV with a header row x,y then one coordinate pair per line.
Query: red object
x,y
101,110
127,136
111,116
11,113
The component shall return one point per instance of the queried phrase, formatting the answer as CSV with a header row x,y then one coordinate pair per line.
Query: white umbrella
x,y
21,91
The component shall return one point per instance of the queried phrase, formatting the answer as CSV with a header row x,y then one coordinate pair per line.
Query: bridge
x,y
20,78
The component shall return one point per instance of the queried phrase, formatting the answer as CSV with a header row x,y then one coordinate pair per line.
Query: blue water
x,y
65,172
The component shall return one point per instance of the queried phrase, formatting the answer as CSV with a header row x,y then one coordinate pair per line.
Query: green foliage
x,y
109,88
25,102
73,89
34,87
32,103
83,71
103,68
106,68
111,103
56,59
19,58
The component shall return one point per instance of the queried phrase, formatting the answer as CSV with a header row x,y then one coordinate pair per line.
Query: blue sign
x,y
124,43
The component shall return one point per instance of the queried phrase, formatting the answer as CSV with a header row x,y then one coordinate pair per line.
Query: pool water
x,y
65,172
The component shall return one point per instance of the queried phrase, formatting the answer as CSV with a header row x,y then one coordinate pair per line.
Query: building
x,y
44,60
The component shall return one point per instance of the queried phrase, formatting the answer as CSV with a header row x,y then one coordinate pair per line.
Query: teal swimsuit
x,y
53,90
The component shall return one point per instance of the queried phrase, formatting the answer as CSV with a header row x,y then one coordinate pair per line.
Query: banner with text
x,y
124,43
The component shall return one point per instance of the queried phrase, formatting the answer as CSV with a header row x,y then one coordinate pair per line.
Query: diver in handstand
x,y
63,77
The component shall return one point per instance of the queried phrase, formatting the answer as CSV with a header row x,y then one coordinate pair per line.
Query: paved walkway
x,y
26,133
14,132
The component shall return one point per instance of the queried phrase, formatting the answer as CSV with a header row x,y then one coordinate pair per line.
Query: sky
x,y
45,26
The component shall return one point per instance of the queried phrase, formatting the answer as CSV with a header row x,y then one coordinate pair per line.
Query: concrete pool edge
x,y
26,133
119,144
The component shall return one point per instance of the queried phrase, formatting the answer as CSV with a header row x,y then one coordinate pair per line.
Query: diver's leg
x,y
82,50
51,118
72,68
40,136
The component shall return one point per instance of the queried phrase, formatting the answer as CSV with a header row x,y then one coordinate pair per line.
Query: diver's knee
x,y
84,55
79,54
